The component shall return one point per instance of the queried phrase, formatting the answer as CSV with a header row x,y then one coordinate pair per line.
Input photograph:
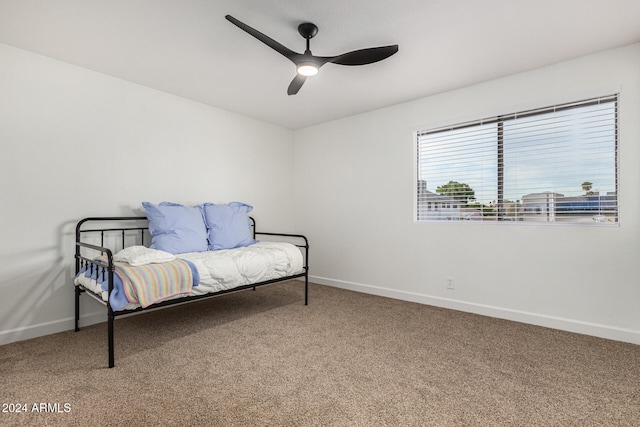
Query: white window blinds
x,y
555,164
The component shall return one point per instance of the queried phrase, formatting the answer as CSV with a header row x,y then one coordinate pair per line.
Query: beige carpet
x,y
348,359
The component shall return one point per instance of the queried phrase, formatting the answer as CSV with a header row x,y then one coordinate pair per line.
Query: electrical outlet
x,y
450,283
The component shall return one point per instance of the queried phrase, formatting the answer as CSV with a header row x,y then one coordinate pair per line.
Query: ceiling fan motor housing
x,y
308,30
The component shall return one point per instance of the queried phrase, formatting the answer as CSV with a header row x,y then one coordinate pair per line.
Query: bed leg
x,y
110,319
306,290
77,292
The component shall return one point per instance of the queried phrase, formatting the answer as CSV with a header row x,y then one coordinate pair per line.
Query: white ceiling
x,y
187,48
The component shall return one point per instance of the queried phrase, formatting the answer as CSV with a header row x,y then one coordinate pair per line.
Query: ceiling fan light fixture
x,y
307,69
306,63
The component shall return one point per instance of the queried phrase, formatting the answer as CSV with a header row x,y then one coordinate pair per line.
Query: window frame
x,y
501,208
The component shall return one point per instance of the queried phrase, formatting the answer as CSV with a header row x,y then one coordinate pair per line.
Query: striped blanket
x,y
152,283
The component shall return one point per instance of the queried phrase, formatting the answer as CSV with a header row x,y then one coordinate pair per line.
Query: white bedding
x,y
230,268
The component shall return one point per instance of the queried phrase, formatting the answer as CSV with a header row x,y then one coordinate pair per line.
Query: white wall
x,y
353,193
354,199
76,143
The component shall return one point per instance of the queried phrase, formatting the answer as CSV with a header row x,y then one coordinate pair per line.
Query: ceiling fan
x,y
307,64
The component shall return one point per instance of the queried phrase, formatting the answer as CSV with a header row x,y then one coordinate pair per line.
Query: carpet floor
x,y
347,359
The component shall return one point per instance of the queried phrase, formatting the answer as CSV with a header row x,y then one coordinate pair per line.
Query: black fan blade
x,y
364,56
263,38
296,84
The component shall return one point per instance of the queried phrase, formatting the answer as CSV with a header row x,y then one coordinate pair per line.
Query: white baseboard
x,y
48,328
570,325
585,328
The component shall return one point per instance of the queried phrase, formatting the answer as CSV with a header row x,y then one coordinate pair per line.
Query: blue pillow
x,y
176,228
229,225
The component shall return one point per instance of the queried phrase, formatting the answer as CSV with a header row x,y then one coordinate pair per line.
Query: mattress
x,y
226,269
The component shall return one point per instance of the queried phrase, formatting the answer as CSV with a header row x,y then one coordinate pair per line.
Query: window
x,y
556,164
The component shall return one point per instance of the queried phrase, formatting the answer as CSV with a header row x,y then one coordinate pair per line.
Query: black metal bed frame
x,y
109,268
